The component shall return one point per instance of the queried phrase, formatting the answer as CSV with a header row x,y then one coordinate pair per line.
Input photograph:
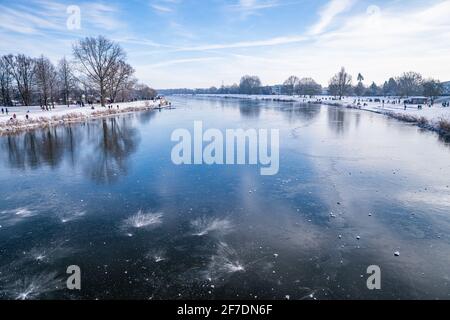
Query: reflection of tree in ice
x,y
45,146
111,141
224,263
143,220
114,141
145,117
204,226
29,288
250,111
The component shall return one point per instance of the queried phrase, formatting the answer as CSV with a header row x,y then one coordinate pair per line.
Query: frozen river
x,y
354,189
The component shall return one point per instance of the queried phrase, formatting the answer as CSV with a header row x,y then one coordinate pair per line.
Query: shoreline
x,y
44,119
438,122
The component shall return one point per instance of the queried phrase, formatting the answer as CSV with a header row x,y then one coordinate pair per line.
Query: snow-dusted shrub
x,y
444,125
423,121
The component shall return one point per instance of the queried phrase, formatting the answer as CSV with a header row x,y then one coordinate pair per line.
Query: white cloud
x,y
247,44
161,9
43,16
165,6
23,20
180,61
329,12
251,7
378,43
105,17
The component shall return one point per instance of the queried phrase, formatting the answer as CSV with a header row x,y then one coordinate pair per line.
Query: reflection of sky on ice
x,y
13,216
217,232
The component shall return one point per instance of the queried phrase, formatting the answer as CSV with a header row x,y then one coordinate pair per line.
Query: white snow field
x,y
63,114
434,117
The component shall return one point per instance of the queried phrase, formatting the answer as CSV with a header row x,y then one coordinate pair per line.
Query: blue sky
x,y
201,43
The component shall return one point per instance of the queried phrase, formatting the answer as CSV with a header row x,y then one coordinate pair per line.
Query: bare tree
x,y
45,80
409,84
126,92
120,76
250,85
291,85
98,58
66,79
23,71
5,82
340,84
432,89
54,85
309,87
144,92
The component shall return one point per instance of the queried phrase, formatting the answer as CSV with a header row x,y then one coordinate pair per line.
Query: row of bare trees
x,y
407,85
305,86
98,72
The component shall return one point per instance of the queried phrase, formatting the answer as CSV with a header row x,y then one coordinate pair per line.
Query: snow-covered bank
x,y
16,119
435,117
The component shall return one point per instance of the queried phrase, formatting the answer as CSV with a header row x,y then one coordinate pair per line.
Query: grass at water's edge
x,y
17,126
442,126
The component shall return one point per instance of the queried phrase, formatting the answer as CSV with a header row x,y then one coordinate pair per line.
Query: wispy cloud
x,y
43,16
251,7
24,20
181,31
188,43
161,9
247,44
378,42
329,12
165,6
103,16
181,61
256,4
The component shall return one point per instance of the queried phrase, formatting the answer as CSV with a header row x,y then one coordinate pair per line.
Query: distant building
x,y
325,91
446,88
277,89
416,100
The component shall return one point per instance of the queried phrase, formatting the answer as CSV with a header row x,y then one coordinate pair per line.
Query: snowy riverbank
x,y
435,118
63,114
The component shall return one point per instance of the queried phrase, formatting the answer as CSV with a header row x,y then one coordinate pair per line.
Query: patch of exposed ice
x,y
72,216
157,255
30,288
143,220
224,263
51,253
204,226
